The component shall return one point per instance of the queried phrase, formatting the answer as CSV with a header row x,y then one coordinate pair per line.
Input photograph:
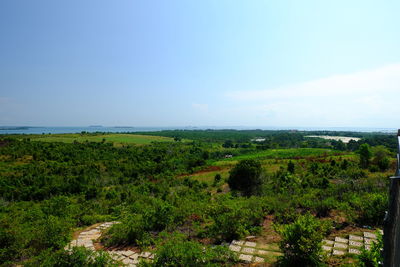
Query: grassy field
x,y
290,153
271,161
113,138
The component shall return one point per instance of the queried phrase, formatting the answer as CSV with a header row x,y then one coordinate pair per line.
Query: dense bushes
x,y
374,256
78,257
177,250
246,177
49,189
301,242
233,219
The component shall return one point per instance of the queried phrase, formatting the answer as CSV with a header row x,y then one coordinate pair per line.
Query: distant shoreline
x,y
126,129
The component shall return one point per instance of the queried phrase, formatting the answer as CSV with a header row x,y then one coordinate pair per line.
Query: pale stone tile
x,y
248,250
261,252
128,253
355,244
145,254
369,241
235,248
127,261
326,248
341,240
258,259
338,252
356,238
369,235
250,244
246,258
340,245
238,243
354,251
328,242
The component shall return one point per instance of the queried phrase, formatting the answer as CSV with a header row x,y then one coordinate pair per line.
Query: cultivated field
x,y
113,138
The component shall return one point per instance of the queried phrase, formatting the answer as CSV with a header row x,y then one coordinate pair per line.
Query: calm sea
x,y
59,130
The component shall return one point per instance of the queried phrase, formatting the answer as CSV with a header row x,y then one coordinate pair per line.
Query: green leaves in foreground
x,y
372,257
177,250
77,257
301,241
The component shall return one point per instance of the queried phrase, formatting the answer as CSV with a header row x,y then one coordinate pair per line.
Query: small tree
x,y
365,155
301,242
246,177
290,167
381,157
217,178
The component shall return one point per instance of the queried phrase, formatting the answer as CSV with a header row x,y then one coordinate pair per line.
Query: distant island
x,y
5,128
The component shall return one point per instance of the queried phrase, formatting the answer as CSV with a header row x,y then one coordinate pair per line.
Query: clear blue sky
x,y
215,63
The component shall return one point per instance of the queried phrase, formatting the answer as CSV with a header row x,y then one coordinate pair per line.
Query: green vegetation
x,y
374,256
246,177
183,200
177,250
301,242
96,137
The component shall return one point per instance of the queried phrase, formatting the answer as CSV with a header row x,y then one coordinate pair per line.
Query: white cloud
x,y
365,98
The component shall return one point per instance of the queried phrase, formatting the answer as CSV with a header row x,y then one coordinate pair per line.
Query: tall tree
x,y
246,177
365,155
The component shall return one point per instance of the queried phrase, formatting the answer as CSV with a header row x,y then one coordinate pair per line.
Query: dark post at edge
x,y
391,237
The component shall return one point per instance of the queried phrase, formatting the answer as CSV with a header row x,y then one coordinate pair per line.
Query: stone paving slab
x,y
128,253
250,244
326,248
145,254
355,244
245,258
354,251
370,235
248,250
341,240
328,242
261,252
258,259
356,238
340,245
369,241
238,243
338,252
235,248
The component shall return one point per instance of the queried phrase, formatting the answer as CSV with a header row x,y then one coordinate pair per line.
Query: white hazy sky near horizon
x,y
355,99
254,63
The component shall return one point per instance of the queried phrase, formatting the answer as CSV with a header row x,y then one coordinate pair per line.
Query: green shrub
x,y
176,250
246,178
301,242
130,231
234,219
372,208
372,257
77,257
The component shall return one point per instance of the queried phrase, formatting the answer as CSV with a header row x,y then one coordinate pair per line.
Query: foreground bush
x,y
372,257
177,250
234,219
77,257
301,242
130,231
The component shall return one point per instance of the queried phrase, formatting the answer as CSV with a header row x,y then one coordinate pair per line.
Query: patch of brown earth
x,y
206,170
